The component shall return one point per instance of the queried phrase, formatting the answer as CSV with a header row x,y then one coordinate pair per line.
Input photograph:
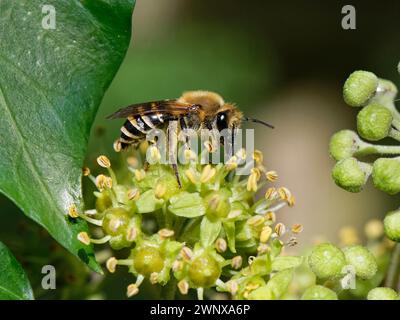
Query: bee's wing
x,y
173,107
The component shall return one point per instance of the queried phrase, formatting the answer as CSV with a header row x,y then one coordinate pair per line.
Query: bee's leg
x,y
146,165
171,148
178,179
233,141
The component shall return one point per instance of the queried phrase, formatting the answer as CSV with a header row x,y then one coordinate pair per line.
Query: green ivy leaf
x,y
188,205
279,283
14,284
148,202
209,231
51,84
283,263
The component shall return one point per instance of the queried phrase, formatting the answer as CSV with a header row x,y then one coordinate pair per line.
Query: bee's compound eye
x,y
222,121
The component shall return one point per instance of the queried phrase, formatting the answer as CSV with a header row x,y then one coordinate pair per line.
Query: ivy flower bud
x,y
359,87
386,175
374,122
318,292
204,271
362,260
326,261
382,293
344,144
351,174
392,225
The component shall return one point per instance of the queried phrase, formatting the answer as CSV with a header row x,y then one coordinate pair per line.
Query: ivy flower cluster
x,y
208,233
377,119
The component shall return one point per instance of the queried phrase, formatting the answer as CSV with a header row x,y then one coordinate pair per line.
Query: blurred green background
x,y
284,62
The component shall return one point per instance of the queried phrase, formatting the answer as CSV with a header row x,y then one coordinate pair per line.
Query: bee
x,y
195,110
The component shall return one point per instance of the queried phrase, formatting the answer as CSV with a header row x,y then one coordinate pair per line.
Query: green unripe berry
x,y
217,203
317,292
204,271
392,225
386,175
115,221
344,144
374,122
351,174
362,260
359,87
147,260
326,261
382,293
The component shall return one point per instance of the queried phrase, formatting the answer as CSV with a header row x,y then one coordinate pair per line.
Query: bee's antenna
x,y
258,121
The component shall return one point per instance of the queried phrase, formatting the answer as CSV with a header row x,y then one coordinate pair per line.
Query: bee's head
x,y
228,117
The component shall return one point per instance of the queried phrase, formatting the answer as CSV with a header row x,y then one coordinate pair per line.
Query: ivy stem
x,y
393,269
368,149
395,134
169,290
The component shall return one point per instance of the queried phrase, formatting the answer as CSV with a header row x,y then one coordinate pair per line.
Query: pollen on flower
x,y
186,253
256,221
232,286
73,211
153,278
271,194
297,228
132,290
183,287
221,245
103,161
84,238
280,229
270,216
271,176
166,233
85,171
103,182
117,146
140,174
111,264
231,164
160,190
236,262
252,182
133,194
192,175
265,234
207,174
258,157
131,234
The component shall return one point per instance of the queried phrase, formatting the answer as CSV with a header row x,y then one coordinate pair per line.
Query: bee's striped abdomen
x,y
136,127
